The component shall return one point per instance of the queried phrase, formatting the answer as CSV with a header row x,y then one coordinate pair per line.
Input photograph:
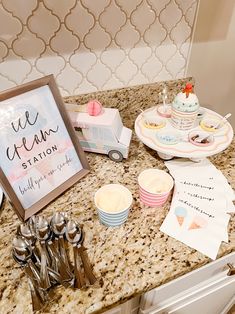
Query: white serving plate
x,y
183,148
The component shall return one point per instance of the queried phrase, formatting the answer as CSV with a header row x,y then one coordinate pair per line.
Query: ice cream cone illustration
x,y
180,213
194,226
197,223
180,220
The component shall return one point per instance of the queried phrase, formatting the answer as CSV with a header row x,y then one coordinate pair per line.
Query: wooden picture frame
x,y
40,155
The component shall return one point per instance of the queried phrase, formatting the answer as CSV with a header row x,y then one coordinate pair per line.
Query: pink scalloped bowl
x,y
201,135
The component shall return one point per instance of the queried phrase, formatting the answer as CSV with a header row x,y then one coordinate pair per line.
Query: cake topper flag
x,y
188,89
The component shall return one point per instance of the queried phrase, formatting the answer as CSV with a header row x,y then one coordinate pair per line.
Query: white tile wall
x,y
94,45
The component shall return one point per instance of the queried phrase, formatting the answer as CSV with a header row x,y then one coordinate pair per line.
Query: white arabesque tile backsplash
x,y
92,45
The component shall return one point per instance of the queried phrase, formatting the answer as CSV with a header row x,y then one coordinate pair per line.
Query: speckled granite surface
x,y
131,259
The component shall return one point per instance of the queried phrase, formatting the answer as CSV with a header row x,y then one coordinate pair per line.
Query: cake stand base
x,y
164,156
196,159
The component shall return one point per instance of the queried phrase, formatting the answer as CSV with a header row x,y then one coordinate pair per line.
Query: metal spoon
x,y
222,121
73,235
43,234
22,253
32,224
58,225
26,232
38,301
86,264
58,263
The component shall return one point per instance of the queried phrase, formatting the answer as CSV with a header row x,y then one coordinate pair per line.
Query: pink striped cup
x,y
154,187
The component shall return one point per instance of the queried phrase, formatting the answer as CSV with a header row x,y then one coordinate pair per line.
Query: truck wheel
x,y
115,155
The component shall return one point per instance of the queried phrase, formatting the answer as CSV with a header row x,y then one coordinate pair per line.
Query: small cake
x,y
185,108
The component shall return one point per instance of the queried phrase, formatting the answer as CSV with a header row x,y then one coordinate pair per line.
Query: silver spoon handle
x,y
86,264
54,260
45,281
35,272
36,254
63,252
54,276
38,301
78,280
64,272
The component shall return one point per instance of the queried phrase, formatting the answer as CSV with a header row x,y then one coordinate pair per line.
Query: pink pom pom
x,y
94,108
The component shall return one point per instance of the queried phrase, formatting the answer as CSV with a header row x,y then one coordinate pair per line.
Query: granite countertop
x,y
130,259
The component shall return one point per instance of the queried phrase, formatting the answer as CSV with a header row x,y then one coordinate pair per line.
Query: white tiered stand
x,y
222,138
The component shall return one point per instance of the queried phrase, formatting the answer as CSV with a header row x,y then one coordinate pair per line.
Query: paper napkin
x,y
196,232
201,200
203,171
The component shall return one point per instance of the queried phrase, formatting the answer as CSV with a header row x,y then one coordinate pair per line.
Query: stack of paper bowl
x,y
154,187
113,202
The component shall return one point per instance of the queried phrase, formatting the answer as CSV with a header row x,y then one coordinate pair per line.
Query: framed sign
x,y
40,156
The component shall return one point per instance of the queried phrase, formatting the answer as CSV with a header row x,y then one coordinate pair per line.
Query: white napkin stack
x,y
202,198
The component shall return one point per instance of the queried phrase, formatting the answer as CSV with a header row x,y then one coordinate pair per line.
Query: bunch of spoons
x,y
39,247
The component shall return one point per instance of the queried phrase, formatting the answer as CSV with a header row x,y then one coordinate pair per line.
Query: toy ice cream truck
x,y
103,133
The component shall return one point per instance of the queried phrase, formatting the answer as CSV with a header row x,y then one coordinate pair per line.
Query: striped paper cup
x,y
154,187
113,202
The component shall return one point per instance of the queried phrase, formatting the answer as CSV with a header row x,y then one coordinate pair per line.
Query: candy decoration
x,y
94,108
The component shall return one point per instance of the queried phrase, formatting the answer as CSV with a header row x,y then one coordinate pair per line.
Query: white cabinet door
x,y
203,291
130,307
212,302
